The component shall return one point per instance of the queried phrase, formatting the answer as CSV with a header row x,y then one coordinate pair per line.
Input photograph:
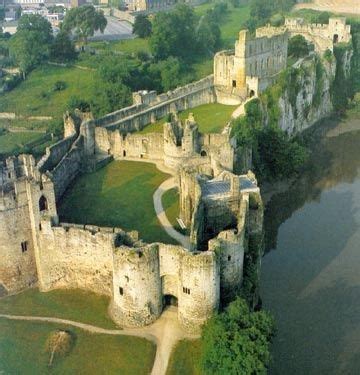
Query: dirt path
x,y
165,333
160,213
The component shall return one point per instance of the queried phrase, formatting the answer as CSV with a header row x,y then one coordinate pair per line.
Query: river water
x,y
310,278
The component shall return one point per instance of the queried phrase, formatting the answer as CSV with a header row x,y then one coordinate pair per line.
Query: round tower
x,y
199,290
137,299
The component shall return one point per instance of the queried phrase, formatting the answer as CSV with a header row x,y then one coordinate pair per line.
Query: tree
x,y
142,26
84,21
63,48
173,34
30,45
298,46
236,342
208,34
168,73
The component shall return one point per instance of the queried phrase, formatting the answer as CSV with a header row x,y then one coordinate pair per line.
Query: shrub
x,y
59,86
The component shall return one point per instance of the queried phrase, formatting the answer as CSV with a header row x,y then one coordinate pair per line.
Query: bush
x,y
77,103
298,46
142,26
59,86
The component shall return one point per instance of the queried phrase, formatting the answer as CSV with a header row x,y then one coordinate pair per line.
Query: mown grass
x,y
120,194
10,142
78,305
36,95
170,202
23,351
185,358
211,118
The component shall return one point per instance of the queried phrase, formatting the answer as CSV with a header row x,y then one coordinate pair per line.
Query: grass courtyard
x,y
211,118
23,351
78,305
120,194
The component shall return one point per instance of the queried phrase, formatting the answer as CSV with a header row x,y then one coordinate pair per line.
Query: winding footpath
x,y
164,333
161,215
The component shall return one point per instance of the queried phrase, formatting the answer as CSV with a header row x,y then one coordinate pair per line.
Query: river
x,y
310,278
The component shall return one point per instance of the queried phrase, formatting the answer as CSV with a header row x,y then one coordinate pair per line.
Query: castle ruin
x,y
219,199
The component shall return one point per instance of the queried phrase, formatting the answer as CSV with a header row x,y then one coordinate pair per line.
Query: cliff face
x,y
306,91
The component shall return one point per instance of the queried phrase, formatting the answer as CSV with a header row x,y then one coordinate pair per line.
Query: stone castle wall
x,y
76,256
144,112
69,167
17,267
251,67
143,276
55,153
324,36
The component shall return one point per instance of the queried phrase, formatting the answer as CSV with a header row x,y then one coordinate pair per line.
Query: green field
x,y
23,351
85,307
211,118
120,194
185,358
36,95
10,142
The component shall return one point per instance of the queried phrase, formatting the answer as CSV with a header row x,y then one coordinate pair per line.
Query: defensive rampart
x,y
144,112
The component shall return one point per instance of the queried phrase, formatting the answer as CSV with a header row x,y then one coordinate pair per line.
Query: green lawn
x,y
35,96
10,142
128,46
170,202
78,305
120,194
23,351
185,358
231,24
211,118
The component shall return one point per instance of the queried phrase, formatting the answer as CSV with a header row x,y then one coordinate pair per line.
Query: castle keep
x,y
220,201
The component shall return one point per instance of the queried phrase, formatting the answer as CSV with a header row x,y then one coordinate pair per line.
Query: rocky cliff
x,y
304,93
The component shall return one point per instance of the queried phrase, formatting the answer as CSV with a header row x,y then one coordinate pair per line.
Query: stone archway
x,y
169,300
169,286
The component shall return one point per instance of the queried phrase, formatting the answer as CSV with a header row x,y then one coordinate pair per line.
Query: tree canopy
x,y
236,341
84,21
31,43
181,34
298,46
142,26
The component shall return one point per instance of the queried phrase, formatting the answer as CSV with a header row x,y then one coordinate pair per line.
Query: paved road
x,y
115,30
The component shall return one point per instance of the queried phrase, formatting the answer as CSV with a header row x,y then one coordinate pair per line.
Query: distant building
x,y
9,27
77,3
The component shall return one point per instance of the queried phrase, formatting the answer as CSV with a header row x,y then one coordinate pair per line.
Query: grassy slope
x,y
28,98
77,305
184,359
211,118
118,195
22,351
9,142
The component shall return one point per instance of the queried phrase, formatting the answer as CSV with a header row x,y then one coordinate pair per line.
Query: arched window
x,y
43,204
335,38
203,153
